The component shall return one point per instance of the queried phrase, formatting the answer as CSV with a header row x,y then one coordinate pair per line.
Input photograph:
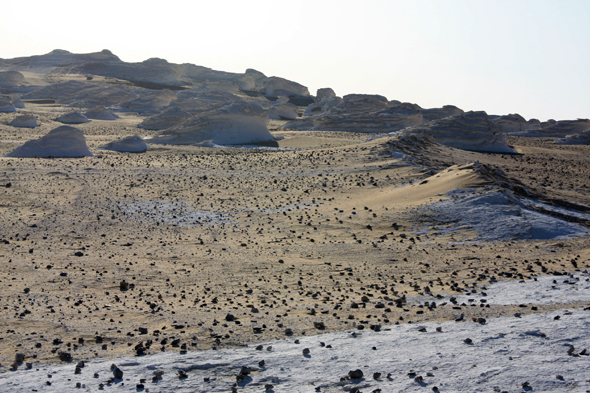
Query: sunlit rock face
x,y
283,111
73,118
440,113
468,131
322,106
100,113
515,123
233,124
63,141
86,94
25,121
17,102
276,86
130,144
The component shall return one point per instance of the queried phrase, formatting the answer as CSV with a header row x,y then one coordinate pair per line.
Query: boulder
x,y
6,106
63,141
276,86
25,121
101,113
11,79
130,144
73,118
17,102
324,93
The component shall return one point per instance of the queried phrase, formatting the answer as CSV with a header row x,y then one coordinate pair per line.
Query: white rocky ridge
x,y
515,123
555,129
63,141
582,138
100,113
73,118
468,131
233,124
25,121
130,144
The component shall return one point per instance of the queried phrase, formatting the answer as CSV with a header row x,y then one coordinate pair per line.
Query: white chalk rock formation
x,y
169,117
284,111
440,113
101,113
556,129
87,94
468,131
11,79
582,138
276,86
17,102
322,106
234,124
389,119
514,123
131,144
324,93
150,101
73,118
6,106
25,121
63,141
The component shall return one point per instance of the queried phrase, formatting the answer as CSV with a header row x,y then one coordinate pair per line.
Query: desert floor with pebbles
x,y
185,248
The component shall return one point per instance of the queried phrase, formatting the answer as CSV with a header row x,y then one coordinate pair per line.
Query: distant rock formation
x,y
25,121
440,113
515,123
581,138
170,117
234,124
130,144
87,94
468,131
11,79
6,106
100,113
556,129
324,93
63,141
73,118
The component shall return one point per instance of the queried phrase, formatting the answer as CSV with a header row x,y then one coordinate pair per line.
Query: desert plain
x,y
196,247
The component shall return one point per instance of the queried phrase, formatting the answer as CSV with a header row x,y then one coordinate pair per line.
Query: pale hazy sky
x,y
520,56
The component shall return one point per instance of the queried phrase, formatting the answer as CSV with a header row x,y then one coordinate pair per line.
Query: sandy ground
x,y
109,255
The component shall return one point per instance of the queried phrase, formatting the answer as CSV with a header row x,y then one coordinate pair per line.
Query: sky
x,y
530,57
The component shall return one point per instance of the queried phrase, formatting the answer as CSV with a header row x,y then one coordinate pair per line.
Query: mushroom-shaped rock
x,y
100,113
17,102
131,144
25,121
73,118
469,131
6,106
233,124
63,141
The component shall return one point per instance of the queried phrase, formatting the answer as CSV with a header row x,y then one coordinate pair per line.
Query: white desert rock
x,y
101,113
276,86
440,113
6,106
170,117
233,124
323,93
87,94
515,123
322,106
150,101
468,131
73,118
130,144
582,138
25,121
63,141
17,102
11,79
556,129
284,111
